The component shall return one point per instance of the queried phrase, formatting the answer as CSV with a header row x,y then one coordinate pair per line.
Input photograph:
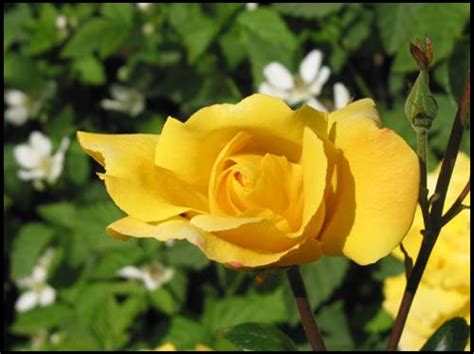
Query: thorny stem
x,y
307,318
433,228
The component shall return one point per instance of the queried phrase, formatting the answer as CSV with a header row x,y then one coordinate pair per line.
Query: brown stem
x,y
434,225
457,205
306,314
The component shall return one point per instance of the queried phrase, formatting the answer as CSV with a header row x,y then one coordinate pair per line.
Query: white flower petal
x,y
40,143
26,157
15,98
138,106
310,65
131,272
120,93
268,89
314,103
278,76
251,6
150,283
341,95
17,115
39,274
47,296
29,175
321,79
112,105
26,301
25,282
57,162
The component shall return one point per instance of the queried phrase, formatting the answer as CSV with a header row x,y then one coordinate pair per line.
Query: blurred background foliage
x,y
67,58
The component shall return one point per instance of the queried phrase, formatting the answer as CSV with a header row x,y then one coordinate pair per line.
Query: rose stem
x,y
306,314
435,220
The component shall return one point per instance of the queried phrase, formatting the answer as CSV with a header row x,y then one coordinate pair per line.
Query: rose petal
x,y
377,187
275,127
212,246
134,182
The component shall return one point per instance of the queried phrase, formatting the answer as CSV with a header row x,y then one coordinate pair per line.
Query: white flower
x,y
20,107
36,159
153,275
148,29
39,292
61,22
251,6
143,6
305,86
126,100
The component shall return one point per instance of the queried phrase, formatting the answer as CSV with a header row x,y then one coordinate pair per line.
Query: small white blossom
x,y
251,6
341,95
20,107
148,29
39,292
61,22
303,87
36,160
153,276
143,6
125,100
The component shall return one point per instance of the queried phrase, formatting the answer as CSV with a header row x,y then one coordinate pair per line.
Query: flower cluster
x,y
304,87
444,291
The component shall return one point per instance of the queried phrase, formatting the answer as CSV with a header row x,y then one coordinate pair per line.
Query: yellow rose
x,y
444,291
257,184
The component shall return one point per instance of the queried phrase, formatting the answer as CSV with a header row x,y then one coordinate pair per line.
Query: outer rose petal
x,y
204,135
136,185
213,247
377,187
431,307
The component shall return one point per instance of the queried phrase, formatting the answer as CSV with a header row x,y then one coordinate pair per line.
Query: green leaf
x,y
308,11
321,279
78,338
89,235
232,47
152,125
120,13
195,28
259,337
61,124
90,70
387,267
231,311
453,17
44,34
77,166
184,254
61,214
453,335
162,300
395,23
269,26
110,263
22,73
14,26
27,248
102,34
185,334
458,67
41,318
86,39
382,321
333,324
266,38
